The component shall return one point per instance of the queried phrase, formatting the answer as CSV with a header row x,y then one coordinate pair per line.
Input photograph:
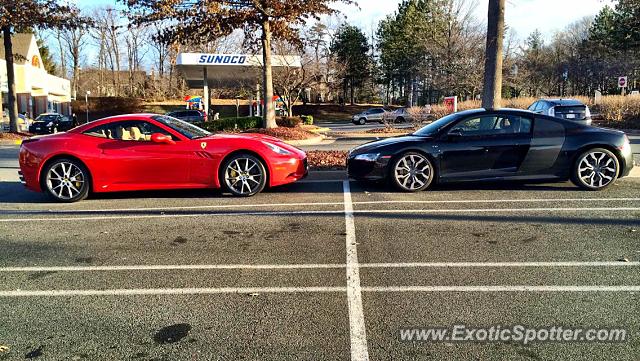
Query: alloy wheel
x,y
244,176
413,172
597,169
65,180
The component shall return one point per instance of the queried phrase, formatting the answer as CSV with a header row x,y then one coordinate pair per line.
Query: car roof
x,y
563,101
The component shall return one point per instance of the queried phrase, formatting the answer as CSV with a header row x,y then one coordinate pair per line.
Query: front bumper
x,y
367,170
285,171
627,165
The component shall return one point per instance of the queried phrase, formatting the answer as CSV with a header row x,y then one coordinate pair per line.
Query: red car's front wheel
x,y
243,175
66,180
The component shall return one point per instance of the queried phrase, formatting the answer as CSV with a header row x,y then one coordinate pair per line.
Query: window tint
x,y
133,130
494,125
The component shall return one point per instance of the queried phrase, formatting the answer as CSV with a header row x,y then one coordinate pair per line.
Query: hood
x,y
388,141
246,136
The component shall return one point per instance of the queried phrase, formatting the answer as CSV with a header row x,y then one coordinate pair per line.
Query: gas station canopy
x,y
202,70
228,70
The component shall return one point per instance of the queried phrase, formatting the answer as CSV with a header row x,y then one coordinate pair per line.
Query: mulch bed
x,y
285,133
321,159
391,130
14,136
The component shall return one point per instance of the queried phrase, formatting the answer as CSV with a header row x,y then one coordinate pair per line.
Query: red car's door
x,y
131,161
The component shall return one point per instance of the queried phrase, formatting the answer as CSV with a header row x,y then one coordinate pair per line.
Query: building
x,y
37,91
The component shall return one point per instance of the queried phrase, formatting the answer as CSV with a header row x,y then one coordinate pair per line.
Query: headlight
x,y
50,124
368,157
277,149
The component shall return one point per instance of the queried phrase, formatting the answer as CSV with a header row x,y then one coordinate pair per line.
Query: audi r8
x,y
154,152
504,144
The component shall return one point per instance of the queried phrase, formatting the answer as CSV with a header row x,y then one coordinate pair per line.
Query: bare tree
x,y
74,42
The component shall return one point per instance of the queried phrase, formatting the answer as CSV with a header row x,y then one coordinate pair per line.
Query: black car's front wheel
x,y
66,180
243,175
596,169
412,172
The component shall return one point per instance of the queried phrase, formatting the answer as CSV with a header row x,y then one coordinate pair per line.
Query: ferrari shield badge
x,y
203,145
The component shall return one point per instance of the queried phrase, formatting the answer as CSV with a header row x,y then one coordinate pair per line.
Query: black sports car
x,y
505,144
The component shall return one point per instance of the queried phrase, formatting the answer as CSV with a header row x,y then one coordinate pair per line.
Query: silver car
x,y
370,115
569,109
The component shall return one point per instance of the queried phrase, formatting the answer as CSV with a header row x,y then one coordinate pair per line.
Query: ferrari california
x,y
504,144
154,152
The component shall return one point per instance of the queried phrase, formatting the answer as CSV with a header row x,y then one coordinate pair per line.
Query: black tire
x,y
362,121
234,170
420,180
71,187
606,169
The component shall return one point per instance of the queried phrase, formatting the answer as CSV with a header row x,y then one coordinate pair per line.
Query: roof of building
x,y
21,43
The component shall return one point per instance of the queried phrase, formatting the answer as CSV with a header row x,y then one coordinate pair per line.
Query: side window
x,y
494,125
533,106
127,131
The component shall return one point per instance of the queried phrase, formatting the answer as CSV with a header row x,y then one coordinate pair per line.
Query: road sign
x,y
622,82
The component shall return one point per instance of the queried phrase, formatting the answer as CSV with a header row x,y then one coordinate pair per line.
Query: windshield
x,y
188,130
46,118
434,127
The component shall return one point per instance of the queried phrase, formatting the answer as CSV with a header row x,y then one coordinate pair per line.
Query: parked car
x,y
190,116
370,115
570,109
48,123
502,144
400,115
149,152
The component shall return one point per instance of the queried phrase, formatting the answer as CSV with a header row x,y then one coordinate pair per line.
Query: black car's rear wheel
x,y
362,121
66,180
596,169
412,172
243,175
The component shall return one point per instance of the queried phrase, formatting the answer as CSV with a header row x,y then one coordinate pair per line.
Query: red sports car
x,y
149,151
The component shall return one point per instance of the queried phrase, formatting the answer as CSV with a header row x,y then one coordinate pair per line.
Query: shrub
x,y
307,119
288,122
232,123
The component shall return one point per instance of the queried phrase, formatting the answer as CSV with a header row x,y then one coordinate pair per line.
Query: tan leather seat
x,y
123,133
136,134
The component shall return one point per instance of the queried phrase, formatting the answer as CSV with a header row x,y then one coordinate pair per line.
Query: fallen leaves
x,y
327,159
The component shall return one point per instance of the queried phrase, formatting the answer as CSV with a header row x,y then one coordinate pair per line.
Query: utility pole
x,y
492,93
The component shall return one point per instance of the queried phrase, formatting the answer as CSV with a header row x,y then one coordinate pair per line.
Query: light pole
x,y
86,103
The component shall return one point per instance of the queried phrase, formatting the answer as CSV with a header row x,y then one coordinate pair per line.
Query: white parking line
x,y
358,334
363,354
503,289
278,205
179,267
288,213
167,291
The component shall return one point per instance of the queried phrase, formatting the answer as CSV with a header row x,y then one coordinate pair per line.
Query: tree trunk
x,y
492,93
11,80
269,120
351,96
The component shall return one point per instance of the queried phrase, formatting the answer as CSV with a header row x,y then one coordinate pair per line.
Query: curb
x,y
312,141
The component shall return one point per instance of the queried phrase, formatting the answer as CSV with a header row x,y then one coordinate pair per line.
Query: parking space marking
x,y
180,267
502,289
361,352
357,329
326,212
172,208
168,291
516,200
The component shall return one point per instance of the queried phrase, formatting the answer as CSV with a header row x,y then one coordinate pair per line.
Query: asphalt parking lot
x,y
322,269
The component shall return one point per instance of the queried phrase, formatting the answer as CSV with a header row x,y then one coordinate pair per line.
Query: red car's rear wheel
x,y
66,180
243,175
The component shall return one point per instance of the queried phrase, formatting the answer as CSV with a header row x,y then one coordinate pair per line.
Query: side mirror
x,y
162,138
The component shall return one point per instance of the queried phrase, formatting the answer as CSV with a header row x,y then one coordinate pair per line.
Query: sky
x,y
522,16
